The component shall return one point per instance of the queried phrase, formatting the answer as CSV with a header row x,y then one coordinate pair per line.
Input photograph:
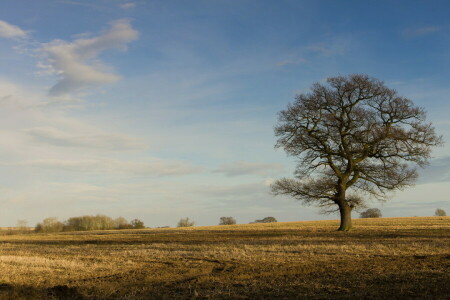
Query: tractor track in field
x,y
218,268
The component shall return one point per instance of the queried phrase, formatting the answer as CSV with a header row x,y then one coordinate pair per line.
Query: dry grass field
x,y
395,258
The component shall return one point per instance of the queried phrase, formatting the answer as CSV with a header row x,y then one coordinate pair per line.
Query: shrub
x,y
227,221
137,224
49,225
440,212
121,223
84,223
371,213
185,223
266,220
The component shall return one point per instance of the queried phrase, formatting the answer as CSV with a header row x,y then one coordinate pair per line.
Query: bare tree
x,y
137,224
352,136
49,225
185,223
227,221
440,212
371,213
121,223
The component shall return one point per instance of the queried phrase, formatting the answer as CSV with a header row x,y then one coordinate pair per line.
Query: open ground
x,y
381,258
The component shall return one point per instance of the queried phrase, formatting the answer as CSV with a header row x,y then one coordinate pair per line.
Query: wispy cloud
x,y
10,31
99,140
249,168
154,167
76,62
437,171
232,191
333,47
90,4
127,5
415,32
291,62
329,47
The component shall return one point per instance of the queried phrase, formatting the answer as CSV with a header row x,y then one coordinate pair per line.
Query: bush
x,y
371,213
121,223
137,224
185,223
440,212
49,225
227,221
266,220
84,223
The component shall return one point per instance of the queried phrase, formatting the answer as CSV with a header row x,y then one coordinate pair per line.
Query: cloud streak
x,y
232,191
249,168
155,167
291,62
437,171
76,62
421,31
99,140
128,5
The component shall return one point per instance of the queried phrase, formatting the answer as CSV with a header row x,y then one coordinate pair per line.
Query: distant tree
x,y
121,223
49,225
227,221
352,136
22,225
440,212
266,220
103,222
72,224
84,223
137,224
371,213
185,222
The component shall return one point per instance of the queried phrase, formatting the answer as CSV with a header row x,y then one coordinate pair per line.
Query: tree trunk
x,y
346,217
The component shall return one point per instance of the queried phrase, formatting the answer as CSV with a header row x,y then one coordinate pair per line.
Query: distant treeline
x,y
85,223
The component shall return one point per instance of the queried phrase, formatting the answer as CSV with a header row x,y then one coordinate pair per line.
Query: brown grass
x,y
381,258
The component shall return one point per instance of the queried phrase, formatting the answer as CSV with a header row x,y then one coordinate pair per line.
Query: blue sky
x,y
160,110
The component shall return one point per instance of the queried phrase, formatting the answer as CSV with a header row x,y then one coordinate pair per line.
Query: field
x,y
396,258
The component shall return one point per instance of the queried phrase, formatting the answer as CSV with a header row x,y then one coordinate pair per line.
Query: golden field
x,y
396,258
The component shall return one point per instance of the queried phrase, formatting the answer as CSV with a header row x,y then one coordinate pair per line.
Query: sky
x,y
161,110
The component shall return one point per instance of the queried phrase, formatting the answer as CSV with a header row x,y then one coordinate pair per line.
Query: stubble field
x,y
396,258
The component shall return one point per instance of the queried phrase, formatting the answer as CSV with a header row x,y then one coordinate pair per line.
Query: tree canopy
x,y
371,213
440,212
354,139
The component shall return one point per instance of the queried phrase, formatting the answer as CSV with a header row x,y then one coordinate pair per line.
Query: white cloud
x,y
99,140
76,62
10,31
154,167
249,168
128,5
